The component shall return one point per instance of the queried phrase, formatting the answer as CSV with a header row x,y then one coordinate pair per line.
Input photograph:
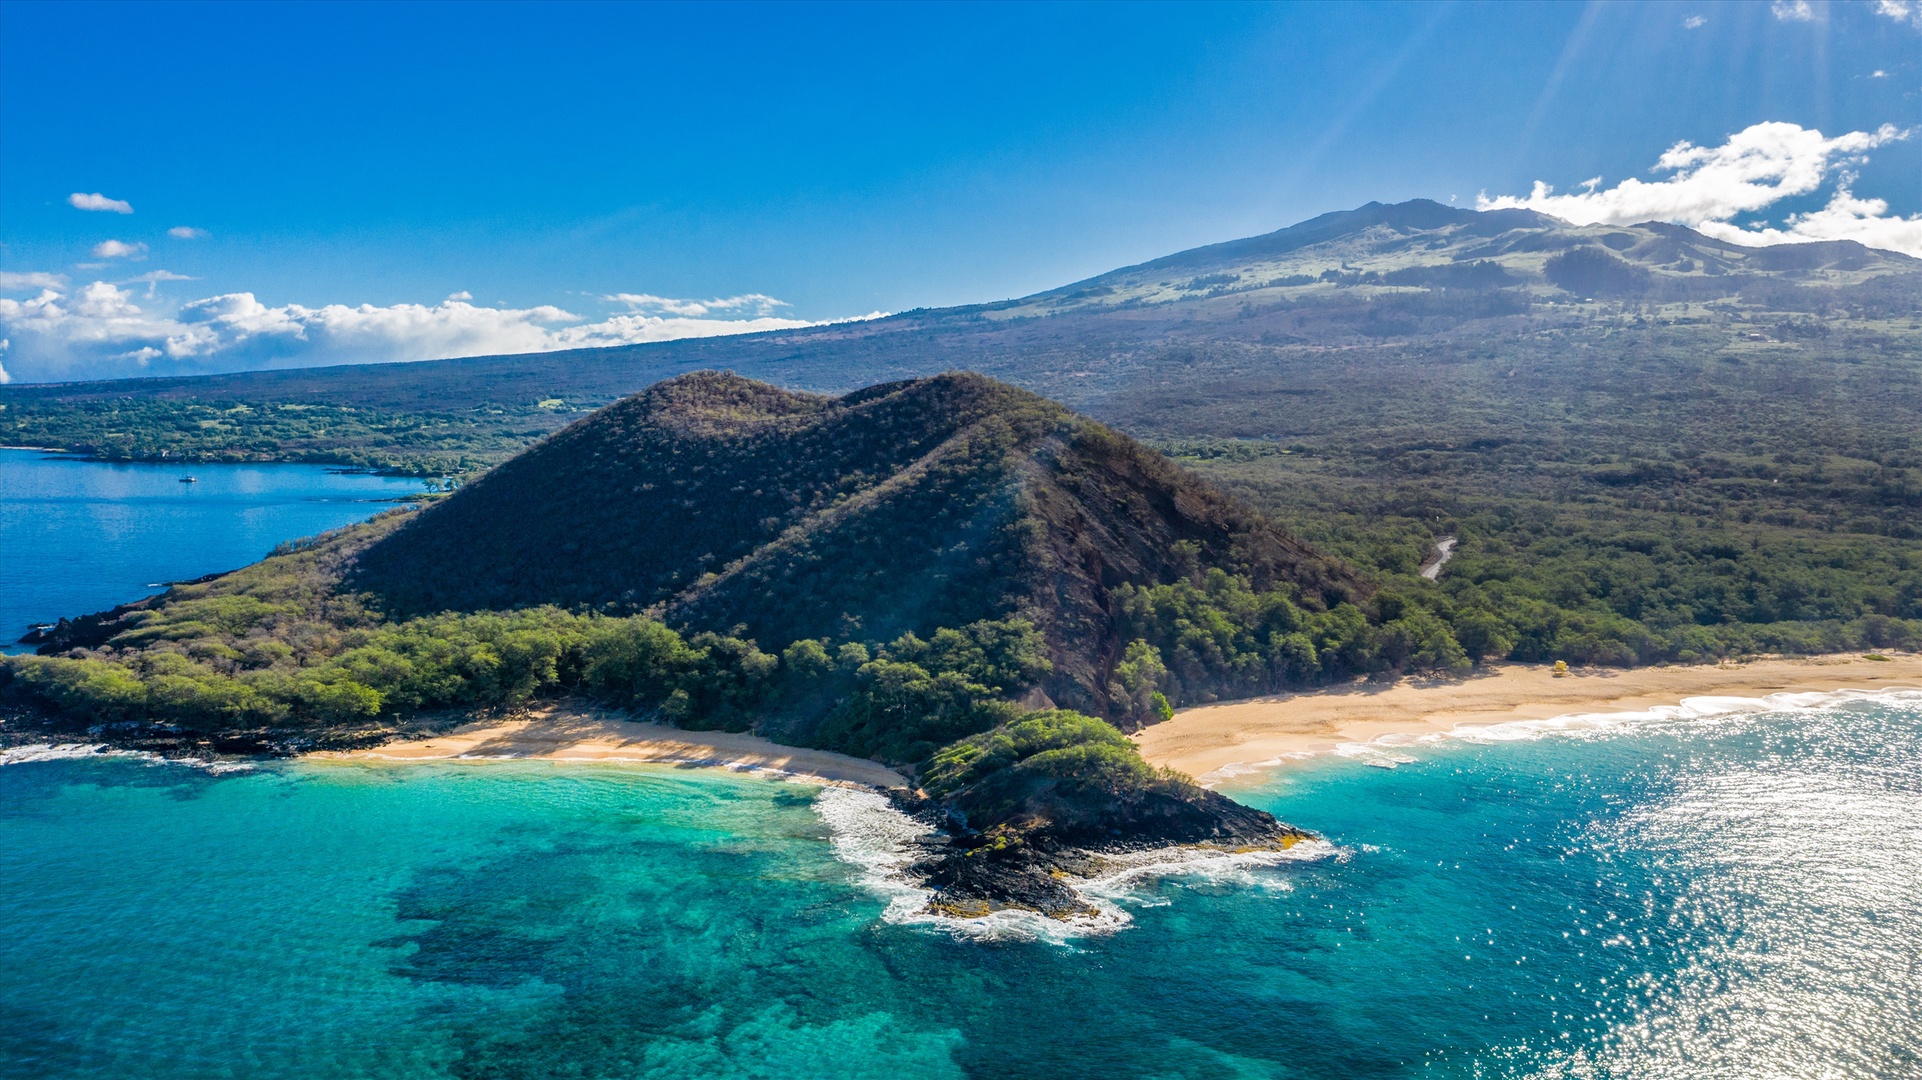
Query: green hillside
x,y
716,503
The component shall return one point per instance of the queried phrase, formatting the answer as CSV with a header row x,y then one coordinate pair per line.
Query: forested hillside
x,y
722,504
918,572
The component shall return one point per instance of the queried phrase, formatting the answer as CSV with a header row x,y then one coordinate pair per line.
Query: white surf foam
x,y
881,842
1131,870
20,755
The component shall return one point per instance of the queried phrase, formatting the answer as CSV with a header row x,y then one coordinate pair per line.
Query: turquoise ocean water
x,y
1736,894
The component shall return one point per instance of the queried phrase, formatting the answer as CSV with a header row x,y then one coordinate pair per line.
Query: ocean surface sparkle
x,y
1737,895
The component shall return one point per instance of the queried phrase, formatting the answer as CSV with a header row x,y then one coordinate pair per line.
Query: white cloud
x,y
1845,217
1793,10
114,249
1907,11
14,281
461,295
98,331
99,320
96,201
1694,22
187,232
1756,168
760,303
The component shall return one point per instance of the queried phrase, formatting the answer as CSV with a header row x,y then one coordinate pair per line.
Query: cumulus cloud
x,y
461,295
1709,186
98,320
1694,22
1793,10
187,232
99,331
1908,11
97,201
114,249
1844,218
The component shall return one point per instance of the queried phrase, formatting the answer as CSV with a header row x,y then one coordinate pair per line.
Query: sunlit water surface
x,y
78,536
1725,896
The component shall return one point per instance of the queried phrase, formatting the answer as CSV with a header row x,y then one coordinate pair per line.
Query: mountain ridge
x,y
1420,235
806,356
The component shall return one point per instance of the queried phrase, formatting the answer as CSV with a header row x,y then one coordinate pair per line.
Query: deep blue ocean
x,y
1689,894
78,536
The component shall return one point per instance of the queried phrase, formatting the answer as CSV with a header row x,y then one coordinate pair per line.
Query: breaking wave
x,y
881,843
21,755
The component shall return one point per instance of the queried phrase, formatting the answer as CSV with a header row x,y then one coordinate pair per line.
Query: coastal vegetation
x,y
1082,776
1001,552
879,518
274,656
442,443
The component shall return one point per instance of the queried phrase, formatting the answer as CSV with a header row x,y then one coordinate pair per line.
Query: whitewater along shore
x,y
570,732
1217,743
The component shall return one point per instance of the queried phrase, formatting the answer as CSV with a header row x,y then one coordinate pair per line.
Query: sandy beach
x,y
1210,741
571,732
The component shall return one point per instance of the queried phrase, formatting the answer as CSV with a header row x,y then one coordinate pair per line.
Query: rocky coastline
x,y
1030,866
26,723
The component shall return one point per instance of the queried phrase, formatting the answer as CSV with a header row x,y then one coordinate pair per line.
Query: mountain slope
x,y
1422,244
1313,283
718,502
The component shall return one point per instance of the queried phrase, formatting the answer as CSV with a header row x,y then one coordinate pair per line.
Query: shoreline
x,y
1219,743
572,732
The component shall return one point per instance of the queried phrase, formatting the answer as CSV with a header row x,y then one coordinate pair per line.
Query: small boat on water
x,y
190,480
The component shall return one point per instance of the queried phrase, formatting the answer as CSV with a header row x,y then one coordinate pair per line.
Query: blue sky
x,y
334,173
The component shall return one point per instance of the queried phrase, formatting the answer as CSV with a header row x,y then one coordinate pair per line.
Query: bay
x,y
78,536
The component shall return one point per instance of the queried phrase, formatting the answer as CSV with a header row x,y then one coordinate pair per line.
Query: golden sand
x,y
570,732
1213,741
